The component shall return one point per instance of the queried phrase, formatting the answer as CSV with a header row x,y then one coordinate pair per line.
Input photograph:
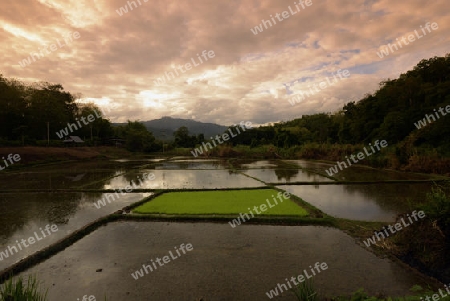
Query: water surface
x,y
359,173
184,179
22,214
286,175
225,264
371,202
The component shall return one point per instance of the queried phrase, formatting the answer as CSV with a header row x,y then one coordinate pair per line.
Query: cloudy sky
x,y
113,57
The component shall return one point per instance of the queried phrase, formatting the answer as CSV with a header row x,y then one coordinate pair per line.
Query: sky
x,y
112,52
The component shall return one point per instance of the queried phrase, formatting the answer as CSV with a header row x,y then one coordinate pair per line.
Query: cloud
x,y
117,58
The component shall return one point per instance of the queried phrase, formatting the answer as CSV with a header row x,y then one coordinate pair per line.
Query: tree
x,y
100,127
182,138
137,137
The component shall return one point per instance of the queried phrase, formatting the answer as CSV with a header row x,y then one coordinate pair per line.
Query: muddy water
x,y
374,202
225,264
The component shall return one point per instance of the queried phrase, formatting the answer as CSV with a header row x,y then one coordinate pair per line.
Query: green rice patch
x,y
222,202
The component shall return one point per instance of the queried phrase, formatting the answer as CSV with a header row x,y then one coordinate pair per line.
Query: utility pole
x,y
48,133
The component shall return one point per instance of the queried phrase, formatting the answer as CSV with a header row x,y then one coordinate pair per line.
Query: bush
x,y
425,244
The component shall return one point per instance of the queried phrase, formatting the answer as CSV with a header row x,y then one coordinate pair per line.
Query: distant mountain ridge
x,y
164,127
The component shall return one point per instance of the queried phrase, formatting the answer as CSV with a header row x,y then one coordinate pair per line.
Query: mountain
x,y
163,128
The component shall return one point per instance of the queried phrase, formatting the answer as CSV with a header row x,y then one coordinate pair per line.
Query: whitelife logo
x,y
199,151
10,158
53,47
299,97
166,259
430,118
86,298
437,297
73,127
411,38
398,226
169,75
360,155
11,250
284,287
124,9
109,197
237,221
285,14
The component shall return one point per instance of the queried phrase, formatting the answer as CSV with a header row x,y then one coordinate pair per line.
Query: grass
x,y
220,202
21,290
305,291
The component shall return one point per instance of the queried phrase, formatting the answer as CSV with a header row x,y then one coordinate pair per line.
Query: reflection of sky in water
x,y
359,173
140,160
179,179
335,201
285,175
196,160
376,202
259,164
69,211
197,164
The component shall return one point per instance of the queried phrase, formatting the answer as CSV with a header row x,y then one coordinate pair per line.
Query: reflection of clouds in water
x,y
69,211
189,164
179,179
259,164
339,201
359,173
289,175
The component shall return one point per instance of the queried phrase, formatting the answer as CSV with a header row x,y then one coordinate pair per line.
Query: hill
x,y
164,127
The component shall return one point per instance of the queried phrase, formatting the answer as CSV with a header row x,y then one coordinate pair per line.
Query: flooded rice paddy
x,y
227,263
